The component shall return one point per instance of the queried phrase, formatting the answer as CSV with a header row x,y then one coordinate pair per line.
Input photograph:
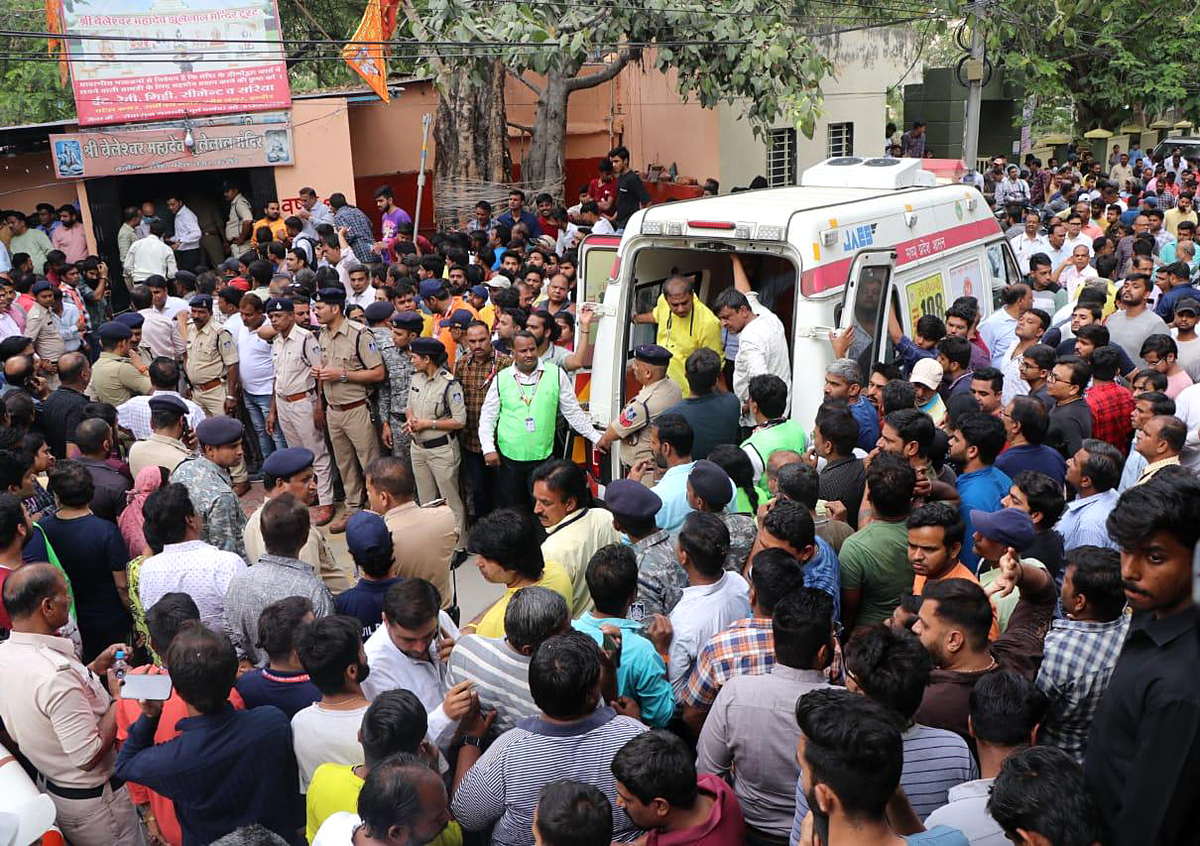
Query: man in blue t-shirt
x,y
516,214
975,442
284,682
370,545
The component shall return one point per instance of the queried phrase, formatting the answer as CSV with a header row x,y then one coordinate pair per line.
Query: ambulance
x,y
857,239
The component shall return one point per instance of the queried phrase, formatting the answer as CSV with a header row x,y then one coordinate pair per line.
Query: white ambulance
x,y
823,254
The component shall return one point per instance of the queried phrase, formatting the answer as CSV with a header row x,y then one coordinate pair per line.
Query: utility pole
x,y
974,67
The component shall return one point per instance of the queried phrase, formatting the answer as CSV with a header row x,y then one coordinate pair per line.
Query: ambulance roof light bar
x,y
886,174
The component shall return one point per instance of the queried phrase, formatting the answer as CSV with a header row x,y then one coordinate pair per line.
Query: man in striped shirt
x,y
571,738
499,667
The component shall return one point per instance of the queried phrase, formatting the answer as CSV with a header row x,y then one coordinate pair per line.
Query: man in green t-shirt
x,y
874,560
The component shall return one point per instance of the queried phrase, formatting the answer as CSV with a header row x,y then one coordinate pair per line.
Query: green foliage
x,y
1114,61
30,90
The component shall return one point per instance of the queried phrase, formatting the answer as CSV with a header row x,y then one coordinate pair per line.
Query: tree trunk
x,y
544,165
471,140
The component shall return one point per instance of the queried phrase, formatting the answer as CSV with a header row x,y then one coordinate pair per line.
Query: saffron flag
x,y
53,45
364,52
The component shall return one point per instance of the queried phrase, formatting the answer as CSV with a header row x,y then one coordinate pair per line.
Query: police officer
x,y
436,412
209,484
350,363
114,377
43,331
658,393
661,578
295,407
406,328
212,361
139,354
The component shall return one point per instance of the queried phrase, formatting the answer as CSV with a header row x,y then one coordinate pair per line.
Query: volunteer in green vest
x,y
516,422
658,393
768,403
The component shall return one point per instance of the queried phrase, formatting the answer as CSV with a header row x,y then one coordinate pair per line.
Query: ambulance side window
x,y
873,281
1002,272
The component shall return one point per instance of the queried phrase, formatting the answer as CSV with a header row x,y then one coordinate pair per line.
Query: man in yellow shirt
x,y
273,220
684,325
395,723
1183,211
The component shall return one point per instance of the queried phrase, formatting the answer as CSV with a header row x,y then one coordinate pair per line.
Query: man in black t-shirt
x,y
631,193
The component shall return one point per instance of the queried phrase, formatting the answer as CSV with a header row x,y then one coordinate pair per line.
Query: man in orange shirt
x,y
435,294
164,620
935,539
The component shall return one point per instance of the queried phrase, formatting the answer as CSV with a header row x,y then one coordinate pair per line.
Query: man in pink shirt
x,y
657,786
70,237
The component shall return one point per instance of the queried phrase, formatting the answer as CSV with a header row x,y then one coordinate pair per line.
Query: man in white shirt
x,y
714,598
341,258
762,344
187,235
1012,190
133,415
149,256
256,372
1029,242
1076,237
1057,239
182,562
326,732
1074,271
999,330
410,650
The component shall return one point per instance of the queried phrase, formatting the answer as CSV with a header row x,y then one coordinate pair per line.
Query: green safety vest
x,y
785,435
513,437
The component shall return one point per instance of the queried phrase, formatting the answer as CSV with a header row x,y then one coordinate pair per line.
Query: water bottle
x,y
119,665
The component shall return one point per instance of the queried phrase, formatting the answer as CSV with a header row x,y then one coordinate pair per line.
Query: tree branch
x,y
521,79
614,67
520,126
586,24
422,34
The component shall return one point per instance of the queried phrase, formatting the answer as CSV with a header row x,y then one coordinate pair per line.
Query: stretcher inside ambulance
x,y
856,240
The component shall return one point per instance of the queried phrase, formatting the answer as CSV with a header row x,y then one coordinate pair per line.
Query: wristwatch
x,y
342,378
472,740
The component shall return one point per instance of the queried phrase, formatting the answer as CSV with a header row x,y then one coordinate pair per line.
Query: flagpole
x,y
426,119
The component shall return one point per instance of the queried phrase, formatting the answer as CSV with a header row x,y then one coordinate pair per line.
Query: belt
x,y
208,386
84,792
297,397
435,443
348,405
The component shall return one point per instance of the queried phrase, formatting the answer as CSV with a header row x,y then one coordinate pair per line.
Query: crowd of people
x,y
955,609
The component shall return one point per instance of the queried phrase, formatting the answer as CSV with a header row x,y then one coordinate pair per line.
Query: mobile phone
x,y
613,648
146,687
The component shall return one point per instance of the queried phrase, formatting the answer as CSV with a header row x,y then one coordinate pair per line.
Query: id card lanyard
x,y
528,401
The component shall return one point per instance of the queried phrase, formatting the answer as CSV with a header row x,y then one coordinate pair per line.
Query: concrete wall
x,y
321,133
866,63
28,179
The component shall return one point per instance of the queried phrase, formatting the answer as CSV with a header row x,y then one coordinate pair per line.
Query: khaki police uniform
x,y
47,341
115,380
633,422
53,706
157,450
296,399
211,351
350,347
435,452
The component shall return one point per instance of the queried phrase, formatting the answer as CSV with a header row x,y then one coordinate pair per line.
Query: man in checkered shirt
x,y
748,646
1081,650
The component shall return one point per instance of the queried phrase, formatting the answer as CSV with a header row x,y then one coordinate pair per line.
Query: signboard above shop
x,y
143,60
257,140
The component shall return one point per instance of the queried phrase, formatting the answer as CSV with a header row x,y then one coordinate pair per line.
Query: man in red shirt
x,y
657,786
164,620
603,189
1111,404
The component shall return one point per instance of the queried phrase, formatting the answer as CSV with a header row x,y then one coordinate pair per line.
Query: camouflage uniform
x,y
661,578
742,531
211,492
393,391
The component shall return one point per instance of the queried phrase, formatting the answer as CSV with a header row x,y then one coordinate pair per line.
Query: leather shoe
x,y
322,514
339,525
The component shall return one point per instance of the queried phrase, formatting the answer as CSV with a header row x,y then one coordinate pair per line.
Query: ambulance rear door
x,y
598,287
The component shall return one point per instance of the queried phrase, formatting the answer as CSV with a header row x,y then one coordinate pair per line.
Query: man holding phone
x,y
164,620
60,713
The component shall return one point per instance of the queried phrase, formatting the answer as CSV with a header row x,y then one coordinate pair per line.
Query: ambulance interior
x,y
711,271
